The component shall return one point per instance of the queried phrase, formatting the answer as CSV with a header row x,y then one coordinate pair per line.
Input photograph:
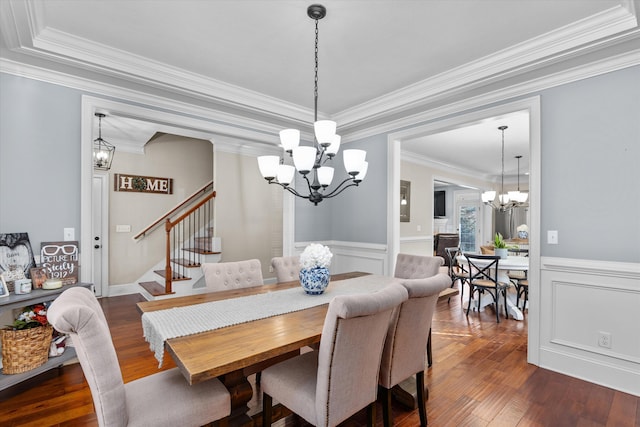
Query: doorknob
x,y
97,246
96,238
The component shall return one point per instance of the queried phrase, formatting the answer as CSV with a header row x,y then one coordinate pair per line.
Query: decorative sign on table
x,y
143,184
60,260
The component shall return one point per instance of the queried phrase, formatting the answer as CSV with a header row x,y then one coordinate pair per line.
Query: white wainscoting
x,y
417,245
579,300
354,256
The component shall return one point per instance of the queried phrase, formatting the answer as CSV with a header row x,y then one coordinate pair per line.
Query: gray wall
x,y
359,214
39,159
591,168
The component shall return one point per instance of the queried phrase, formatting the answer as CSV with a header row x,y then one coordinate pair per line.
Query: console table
x,y
18,301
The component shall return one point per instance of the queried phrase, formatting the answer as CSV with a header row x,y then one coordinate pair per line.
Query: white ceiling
x,y
377,58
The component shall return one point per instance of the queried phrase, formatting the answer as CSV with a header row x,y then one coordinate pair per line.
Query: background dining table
x,y
511,263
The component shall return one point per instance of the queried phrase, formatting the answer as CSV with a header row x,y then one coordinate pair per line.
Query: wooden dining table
x,y
234,352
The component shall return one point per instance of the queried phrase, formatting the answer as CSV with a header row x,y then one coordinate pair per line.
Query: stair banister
x,y
180,205
169,226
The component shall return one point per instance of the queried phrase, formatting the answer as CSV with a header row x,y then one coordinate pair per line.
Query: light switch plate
x,y
120,228
69,234
552,237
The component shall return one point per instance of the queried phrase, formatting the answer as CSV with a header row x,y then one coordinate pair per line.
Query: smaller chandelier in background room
x,y
310,161
511,199
102,151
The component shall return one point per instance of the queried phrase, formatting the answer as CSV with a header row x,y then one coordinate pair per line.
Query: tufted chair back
x,y
223,276
141,402
287,268
327,386
417,266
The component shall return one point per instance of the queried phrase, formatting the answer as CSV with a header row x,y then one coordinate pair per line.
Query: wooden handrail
x,y
168,226
179,206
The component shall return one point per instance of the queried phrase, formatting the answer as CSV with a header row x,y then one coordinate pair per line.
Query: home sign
x,y
143,184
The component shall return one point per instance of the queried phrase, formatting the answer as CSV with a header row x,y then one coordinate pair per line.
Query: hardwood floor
x,y
479,377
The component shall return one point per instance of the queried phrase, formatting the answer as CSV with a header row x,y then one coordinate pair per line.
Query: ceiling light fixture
x,y
506,201
102,151
310,160
518,196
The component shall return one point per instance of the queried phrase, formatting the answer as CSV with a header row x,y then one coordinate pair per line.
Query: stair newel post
x,y
168,272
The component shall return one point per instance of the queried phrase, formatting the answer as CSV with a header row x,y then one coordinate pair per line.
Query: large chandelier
x,y
310,161
102,151
506,201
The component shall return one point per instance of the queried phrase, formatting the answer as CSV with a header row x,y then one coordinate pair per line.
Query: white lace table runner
x,y
159,326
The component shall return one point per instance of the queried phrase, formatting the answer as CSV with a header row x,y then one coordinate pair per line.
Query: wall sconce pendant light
x,y
102,151
309,160
506,201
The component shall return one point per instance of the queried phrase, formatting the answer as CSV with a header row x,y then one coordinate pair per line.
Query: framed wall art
x,y
16,254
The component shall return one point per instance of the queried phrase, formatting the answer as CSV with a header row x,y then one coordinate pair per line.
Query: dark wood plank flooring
x,y
479,377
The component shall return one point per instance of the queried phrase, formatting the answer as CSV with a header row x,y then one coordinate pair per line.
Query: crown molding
x,y
26,33
580,72
25,30
530,55
418,159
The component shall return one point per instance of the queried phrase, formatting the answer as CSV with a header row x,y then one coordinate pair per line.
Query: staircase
x,y
190,242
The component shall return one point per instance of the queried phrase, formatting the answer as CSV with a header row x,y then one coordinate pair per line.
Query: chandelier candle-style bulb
x,y
290,139
304,158
285,174
354,161
332,149
488,196
268,166
325,130
325,175
363,172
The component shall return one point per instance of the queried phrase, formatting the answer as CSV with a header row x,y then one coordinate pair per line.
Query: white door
x,y
100,233
468,220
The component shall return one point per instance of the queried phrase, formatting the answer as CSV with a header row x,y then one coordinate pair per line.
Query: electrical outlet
x,y
604,339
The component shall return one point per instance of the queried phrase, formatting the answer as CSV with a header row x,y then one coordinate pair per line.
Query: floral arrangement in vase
x,y
314,268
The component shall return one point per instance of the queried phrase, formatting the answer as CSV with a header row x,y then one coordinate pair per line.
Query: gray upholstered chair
x,y
287,268
404,348
223,276
161,399
418,267
327,386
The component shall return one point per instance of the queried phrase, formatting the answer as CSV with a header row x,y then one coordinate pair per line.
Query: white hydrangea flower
x,y
315,255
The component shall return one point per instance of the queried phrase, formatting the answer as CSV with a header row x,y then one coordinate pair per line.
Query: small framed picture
x,y
4,291
38,276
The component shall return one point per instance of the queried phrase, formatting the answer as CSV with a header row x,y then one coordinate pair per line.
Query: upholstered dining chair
x,y
483,278
404,349
222,276
162,399
287,268
418,267
327,386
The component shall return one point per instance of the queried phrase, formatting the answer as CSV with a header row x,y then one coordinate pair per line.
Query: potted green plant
x,y
500,246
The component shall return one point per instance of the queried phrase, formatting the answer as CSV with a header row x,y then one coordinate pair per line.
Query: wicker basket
x,y
25,349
